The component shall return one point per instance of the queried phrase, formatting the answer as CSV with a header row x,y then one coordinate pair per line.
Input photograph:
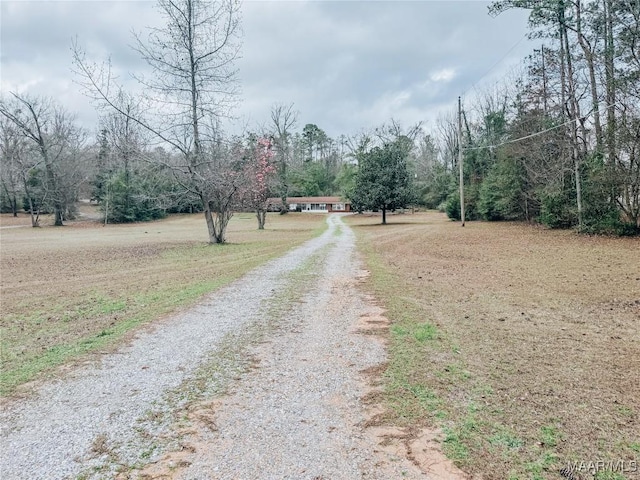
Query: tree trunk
x,y
220,222
35,222
573,111
12,198
211,228
384,215
52,185
609,64
262,217
284,188
589,57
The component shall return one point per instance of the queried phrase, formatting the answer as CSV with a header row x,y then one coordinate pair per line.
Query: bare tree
x,y
192,85
12,146
125,140
358,144
58,141
283,119
389,132
446,126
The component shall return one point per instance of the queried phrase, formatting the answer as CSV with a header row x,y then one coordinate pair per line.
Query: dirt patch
x,y
201,418
424,449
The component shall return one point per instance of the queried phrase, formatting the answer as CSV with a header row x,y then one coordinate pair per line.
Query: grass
x,y
517,342
78,289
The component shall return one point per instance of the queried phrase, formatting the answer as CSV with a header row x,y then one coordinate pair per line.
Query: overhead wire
x,y
536,134
494,65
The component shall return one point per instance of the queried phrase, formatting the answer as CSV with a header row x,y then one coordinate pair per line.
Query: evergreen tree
x,y
383,181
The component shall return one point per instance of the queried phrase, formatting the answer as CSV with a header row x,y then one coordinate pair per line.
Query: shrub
x,y
470,204
501,193
556,210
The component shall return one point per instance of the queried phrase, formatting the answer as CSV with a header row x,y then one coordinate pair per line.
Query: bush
x,y
470,204
556,210
438,188
452,206
131,198
501,193
601,214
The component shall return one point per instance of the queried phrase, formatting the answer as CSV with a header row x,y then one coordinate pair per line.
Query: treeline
x,y
560,144
49,164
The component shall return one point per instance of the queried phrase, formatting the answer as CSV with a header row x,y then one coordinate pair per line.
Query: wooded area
x,y
558,143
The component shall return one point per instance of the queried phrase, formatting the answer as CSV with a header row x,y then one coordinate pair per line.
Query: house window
x,y
338,206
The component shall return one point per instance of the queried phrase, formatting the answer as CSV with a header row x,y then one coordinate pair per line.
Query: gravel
x,y
297,414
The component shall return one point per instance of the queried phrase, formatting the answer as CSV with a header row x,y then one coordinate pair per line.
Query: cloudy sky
x,y
345,65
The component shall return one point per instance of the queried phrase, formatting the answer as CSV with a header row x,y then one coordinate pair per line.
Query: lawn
x,y
520,344
68,291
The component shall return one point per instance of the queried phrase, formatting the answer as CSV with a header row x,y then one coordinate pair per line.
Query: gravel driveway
x,y
262,379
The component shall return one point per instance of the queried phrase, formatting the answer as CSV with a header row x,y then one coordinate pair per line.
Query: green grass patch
x,y
540,468
141,308
454,373
427,398
543,453
608,475
424,332
506,440
454,446
549,436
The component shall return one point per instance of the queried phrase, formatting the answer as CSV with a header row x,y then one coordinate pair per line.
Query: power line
x,y
495,64
532,135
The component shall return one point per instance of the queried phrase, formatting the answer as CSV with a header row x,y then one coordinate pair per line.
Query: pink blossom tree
x,y
259,173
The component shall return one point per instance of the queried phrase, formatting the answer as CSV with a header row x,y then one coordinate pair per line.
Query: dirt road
x,y
263,379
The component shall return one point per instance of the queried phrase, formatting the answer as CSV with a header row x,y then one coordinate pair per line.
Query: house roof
x,y
310,200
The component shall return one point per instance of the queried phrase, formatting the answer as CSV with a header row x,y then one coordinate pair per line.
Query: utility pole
x,y
460,160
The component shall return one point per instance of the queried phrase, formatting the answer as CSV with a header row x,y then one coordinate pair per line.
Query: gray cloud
x,y
346,65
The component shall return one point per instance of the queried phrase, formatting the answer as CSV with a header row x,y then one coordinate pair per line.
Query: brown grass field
x,y
520,344
67,291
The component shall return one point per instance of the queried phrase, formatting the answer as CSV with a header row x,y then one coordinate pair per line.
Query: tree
x,y
283,118
383,180
590,89
126,186
191,87
59,143
12,147
314,138
259,172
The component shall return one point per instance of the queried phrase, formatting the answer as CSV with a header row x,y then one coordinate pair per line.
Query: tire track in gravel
x,y
297,415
